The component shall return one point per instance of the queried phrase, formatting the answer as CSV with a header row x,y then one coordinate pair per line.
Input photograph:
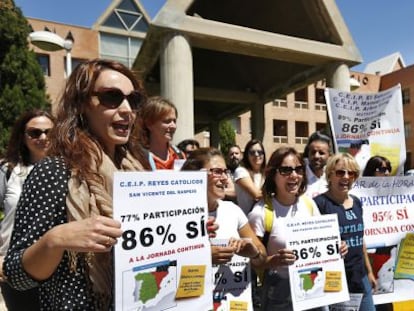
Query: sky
x,y
378,27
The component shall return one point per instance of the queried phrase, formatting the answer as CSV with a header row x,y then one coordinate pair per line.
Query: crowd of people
x,y
58,233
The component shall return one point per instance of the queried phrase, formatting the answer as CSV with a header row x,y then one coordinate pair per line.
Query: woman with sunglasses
x,y
159,122
248,177
377,166
28,144
64,231
283,190
341,171
232,222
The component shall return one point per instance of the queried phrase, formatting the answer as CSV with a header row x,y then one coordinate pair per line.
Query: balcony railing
x,y
321,107
301,140
280,139
301,105
280,103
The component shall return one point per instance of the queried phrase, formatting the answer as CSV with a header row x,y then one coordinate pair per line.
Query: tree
x,y
227,136
22,85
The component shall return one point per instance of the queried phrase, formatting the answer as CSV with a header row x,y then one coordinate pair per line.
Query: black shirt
x,y
351,227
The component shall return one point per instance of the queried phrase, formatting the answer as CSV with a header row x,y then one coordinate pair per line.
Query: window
x,y
44,63
405,96
320,103
320,127
280,102
127,17
280,131
321,107
236,123
119,48
301,99
302,95
320,96
301,132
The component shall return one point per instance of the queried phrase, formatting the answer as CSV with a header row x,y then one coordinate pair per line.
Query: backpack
x,y
178,152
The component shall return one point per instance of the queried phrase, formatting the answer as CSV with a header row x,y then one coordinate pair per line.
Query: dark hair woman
x,y
28,144
64,230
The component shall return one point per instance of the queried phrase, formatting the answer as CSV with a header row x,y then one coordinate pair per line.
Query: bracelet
x,y
257,255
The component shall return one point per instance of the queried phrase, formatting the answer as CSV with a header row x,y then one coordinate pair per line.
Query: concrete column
x,y
258,120
176,68
214,134
339,78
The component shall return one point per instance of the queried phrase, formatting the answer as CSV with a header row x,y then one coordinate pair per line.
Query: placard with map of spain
x,y
163,258
317,278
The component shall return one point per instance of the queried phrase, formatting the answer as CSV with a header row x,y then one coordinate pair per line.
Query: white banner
x,y
366,124
317,278
163,259
388,205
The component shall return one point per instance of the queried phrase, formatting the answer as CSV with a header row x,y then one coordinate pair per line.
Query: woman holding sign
x,y
283,189
64,231
232,222
341,172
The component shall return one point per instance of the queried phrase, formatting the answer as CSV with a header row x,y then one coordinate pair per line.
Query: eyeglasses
x,y
342,173
113,98
288,170
218,172
383,170
35,133
256,153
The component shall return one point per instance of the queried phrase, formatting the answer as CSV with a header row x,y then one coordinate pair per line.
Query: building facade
x,y
120,31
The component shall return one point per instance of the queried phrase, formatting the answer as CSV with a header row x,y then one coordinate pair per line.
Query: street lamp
x,y
50,41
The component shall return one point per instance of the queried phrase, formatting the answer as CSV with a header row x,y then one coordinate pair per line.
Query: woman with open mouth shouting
x,y
64,231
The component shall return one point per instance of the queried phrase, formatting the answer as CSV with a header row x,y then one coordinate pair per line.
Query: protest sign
x,y
317,278
232,282
388,205
163,259
368,124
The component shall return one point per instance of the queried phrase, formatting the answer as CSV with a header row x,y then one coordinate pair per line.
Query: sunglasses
x,y
383,170
257,153
218,172
342,173
113,98
288,170
35,133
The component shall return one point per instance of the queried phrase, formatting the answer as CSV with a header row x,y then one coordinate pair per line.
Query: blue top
x,y
351,227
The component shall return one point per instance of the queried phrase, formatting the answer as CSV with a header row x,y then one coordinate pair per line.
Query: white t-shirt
x,y
230,219
11,198
277,238
244,199
316,185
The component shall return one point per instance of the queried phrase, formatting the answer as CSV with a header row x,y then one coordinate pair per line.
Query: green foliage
x,y
22,85
227,136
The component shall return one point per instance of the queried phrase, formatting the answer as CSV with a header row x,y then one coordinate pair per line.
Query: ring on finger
x,y
108,242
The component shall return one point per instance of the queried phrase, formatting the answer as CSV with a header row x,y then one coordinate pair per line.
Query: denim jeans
x,y
367,303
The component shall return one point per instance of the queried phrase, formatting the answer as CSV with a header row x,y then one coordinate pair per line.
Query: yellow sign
x,y
238,305
333,281
405,262
191,282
